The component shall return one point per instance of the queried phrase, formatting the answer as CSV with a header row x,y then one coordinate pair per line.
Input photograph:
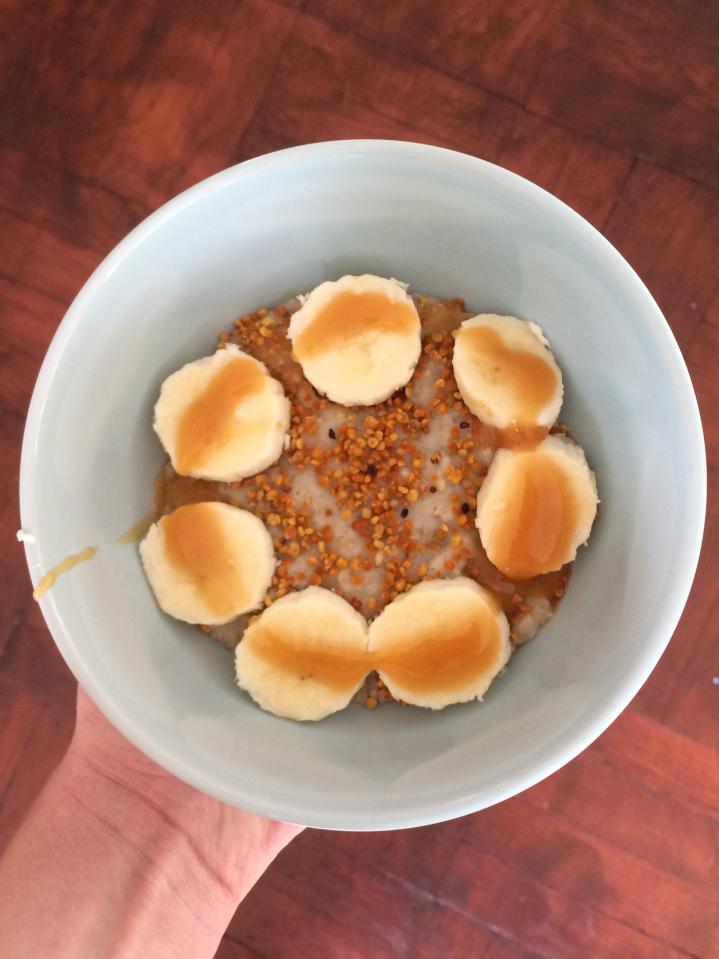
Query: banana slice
x,y
536,507
506,373
357,339
442,642
222,417
305,656
208,562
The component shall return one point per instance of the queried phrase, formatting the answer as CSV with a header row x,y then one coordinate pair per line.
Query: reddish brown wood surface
x,y
106,110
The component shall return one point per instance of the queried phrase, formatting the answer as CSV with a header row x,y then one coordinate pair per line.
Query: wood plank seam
x,y
705,413
593,908
95,183
446,904
48,294
272,59
711,616
620,193
516,102
68,174
583,829
622,774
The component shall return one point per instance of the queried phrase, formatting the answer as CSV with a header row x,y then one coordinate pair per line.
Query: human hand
x,y
122,860
232,844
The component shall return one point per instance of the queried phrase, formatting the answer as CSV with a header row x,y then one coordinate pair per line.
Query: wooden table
x,y
109,108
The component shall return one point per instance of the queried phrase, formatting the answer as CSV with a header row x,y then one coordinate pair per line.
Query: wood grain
x,y
316,96
497,45
533,914
106,110
640,75
668,229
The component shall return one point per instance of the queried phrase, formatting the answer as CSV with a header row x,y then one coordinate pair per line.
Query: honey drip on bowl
x,y
138,530
209,421
70,562
534,531
196,544
349,316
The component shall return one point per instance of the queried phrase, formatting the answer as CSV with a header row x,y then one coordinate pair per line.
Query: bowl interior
x,y
252,236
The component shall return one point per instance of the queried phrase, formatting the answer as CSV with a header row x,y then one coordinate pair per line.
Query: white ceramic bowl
x,y
448,224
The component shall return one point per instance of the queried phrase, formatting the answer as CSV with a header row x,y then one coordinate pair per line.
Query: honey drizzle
x,y
209,421
197,546
520,437
68,563
350,315
534,531
138,530
529,378
336,668
465,648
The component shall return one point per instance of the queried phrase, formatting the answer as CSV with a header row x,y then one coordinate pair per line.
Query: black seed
x,y
464,425
465,507
433,489
333,435
372,470
405,512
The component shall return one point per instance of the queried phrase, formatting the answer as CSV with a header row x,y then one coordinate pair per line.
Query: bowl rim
x,y
571,743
